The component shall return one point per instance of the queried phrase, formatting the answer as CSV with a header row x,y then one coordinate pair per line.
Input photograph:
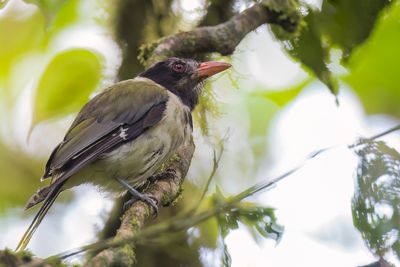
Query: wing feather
x,y
121,105
116,116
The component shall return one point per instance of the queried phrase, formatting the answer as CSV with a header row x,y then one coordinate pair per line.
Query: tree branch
x,y
164,190
223,38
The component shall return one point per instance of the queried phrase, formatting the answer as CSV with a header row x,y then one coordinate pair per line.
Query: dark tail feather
x,y
54,191
38,197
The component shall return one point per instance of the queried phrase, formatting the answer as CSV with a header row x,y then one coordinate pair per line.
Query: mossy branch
x,y
164,189
223,38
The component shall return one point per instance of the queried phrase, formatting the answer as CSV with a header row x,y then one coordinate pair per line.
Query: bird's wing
x,y
119,114
116,116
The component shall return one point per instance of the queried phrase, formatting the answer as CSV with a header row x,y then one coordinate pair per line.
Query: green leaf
x,y
21,31
261,112
262,219
67,14
19,176
3,3
285,96
349,23
310,50
375,66
66,84
376,201
209,233
340,24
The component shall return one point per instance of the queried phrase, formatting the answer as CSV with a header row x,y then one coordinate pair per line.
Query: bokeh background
x,y
283,99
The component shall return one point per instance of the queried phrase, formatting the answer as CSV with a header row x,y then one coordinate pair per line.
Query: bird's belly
x,y
138,160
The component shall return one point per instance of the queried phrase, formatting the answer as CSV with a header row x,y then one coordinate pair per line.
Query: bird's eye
x,y
179,67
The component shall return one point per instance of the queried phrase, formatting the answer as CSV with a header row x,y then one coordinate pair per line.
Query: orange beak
x,y
209,68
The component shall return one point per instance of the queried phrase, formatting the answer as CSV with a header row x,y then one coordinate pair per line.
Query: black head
x,y
183,77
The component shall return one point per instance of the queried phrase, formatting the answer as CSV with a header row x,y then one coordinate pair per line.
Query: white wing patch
x,y
123,133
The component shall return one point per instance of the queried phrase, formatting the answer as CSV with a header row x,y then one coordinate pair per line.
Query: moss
x,y
124,256
170,200
174,158
56,262
207,108
135,224
189,39
25,255
287,8
10,258
100,261
146,51
289,17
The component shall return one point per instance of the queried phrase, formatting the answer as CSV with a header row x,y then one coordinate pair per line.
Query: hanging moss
x,y
9,258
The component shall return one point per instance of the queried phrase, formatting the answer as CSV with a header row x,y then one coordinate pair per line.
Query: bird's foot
x,y
143,197
136,195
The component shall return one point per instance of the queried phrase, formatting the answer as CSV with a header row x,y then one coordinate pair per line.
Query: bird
x,y
123,135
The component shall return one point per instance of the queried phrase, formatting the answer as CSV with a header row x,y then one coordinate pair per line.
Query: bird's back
x,y
139,159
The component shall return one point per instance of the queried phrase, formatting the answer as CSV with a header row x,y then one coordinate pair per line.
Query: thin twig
x,y
216,160
374,137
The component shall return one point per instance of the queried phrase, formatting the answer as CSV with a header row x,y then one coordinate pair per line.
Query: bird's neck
x,y
187,93
189,97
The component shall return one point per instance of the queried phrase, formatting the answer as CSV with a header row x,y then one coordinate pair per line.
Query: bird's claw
x,y
146,199
136,195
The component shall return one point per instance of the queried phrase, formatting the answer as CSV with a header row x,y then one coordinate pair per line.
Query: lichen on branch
x,y
165,188
223,38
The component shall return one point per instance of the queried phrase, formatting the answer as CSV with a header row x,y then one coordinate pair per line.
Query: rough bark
x,y
164,190
223,38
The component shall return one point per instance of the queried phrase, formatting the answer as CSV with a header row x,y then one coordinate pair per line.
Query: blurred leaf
x,y
66,84
254,217
261,219
375,66
311,51
19,177
67,14
260,112
21,31
58,14
284,96
52,8
181,248
376,202
209,233
341,24
349,23
3,3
